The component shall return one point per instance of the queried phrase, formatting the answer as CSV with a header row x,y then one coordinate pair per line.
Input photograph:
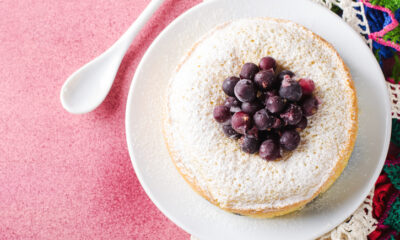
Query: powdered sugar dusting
x,y
227,175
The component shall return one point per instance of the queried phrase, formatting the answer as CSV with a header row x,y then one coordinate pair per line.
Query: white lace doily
x,y
394,93
357,226
361,223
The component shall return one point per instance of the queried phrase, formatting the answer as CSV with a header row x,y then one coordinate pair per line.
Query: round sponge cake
x,y
213,164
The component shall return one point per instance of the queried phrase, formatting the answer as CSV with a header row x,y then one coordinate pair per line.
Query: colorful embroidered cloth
x,y
383,19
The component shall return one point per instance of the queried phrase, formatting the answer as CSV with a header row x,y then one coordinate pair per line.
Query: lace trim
x,y
353,13
357,226
394,94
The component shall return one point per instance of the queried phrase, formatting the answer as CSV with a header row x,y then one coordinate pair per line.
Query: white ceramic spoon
x,y
86,88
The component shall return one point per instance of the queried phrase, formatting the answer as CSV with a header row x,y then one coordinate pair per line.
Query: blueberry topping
x,y
278,123
233,104
229,84
221,114
230,132
270,150
252,132
264,80
292,115
290,139
271,70
284,73
248,71
268,134
307,86
266,112
241,122
263,120
302,124
271,93
245,90
267,63
249,144
310,106
275,104
290,89
251,107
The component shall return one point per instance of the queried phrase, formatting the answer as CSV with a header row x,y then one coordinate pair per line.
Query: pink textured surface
x,y
64,176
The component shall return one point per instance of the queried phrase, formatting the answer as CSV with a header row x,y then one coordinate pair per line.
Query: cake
x,y
214,165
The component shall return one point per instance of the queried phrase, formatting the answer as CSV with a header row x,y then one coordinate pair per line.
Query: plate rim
x,y
165,211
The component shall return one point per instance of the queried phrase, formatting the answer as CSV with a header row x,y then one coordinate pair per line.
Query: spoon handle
x,y
123,43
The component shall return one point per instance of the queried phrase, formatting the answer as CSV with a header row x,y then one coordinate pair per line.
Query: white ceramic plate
x,y
172,194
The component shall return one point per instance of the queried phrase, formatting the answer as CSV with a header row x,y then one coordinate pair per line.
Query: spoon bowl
x,y
87,88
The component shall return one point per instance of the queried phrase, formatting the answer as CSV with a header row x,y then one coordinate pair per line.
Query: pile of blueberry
x,y
264,110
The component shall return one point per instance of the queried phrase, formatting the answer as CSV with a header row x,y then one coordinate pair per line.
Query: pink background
x,y
66,176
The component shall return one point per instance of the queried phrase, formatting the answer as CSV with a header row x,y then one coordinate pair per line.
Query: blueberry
x,y
267,63
290,89
251,107
245,90
249,144
270,150
271,70
265,135
263,120
278,123
230,132
290,139
241,122
248,71
307,86
302,124
229,84
252,132
221,114
233,104
261,96
292,115
271,93
264,80
310,106
284,73
275,104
